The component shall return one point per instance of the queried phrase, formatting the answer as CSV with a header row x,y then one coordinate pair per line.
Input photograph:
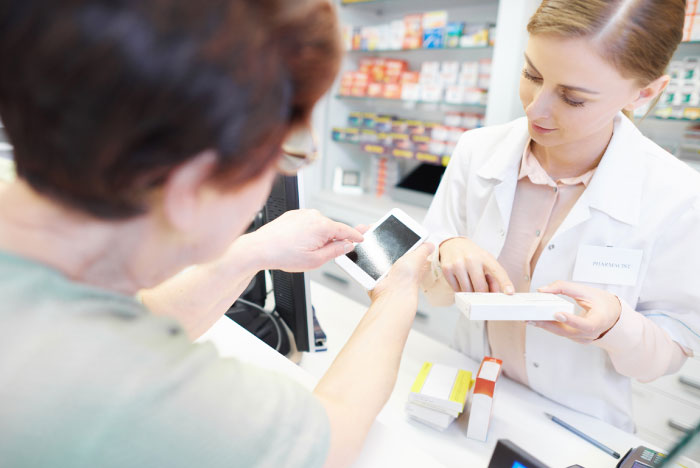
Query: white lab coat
x,y
640,197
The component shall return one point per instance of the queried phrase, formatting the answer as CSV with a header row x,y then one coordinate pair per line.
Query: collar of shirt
x,y
530,167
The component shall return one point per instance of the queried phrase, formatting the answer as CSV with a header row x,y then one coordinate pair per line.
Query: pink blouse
x,y
540,206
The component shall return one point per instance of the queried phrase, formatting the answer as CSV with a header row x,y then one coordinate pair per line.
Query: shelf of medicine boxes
x,y
378,149
409,104
419,49
406,4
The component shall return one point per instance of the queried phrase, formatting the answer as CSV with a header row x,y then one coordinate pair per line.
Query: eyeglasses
x,y
298,151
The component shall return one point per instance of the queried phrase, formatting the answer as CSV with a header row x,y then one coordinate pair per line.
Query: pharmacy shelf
x,y
677,119
408,4
411,104
377,149
420,49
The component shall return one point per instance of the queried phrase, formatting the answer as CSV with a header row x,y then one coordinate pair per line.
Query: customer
x,y
146,136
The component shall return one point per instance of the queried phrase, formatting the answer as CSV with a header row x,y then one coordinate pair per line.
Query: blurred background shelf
x,y
393,5
408,104
421,49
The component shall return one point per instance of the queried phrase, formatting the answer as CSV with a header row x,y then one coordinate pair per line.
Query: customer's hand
x,y
405,275
469,268
302,240
601,312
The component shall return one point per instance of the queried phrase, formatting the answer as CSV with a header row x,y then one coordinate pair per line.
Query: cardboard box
x,y
449,73
474,35
441,388
413,31
435,419
392,91
453,33
411,92
469,74
431,93
397,29
519,306
482,399
434,23
454,94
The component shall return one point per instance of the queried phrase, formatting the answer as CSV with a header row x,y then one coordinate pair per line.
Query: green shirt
x,y
90,378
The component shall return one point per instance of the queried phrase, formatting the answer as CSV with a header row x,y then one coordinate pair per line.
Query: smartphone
x,y
385,242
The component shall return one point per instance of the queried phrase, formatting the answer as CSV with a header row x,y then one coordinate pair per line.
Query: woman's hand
x,y
405,275
469,268
601,312
302,240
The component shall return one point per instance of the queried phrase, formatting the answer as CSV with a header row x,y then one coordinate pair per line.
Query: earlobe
x,y
183,190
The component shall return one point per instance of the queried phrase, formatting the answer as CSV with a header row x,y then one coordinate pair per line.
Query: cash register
x,y
507,454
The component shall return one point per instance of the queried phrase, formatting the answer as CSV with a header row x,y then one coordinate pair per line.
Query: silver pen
x,y
585,437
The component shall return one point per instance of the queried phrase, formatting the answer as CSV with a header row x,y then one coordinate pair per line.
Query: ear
x,y
183,190
649,92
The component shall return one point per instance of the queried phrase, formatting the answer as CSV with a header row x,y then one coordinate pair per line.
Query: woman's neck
x,y
575,158
85,249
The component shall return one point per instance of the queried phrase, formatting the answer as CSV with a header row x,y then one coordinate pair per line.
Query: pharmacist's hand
x,y
405,275
601,312
469,268
301,240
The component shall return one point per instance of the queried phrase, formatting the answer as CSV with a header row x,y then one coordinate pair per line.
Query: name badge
x,y
607,265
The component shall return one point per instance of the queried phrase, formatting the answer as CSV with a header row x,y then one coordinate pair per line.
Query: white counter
x,y
395,440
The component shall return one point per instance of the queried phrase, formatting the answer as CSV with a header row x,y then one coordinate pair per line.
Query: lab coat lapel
x,y
616,186
501,172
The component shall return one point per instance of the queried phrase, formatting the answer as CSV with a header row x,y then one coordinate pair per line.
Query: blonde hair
x,y
638,37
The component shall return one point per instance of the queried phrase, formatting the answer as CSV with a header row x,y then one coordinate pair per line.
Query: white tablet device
x,y
385,242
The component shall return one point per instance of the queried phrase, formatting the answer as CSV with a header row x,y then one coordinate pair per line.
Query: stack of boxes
x,y
430,30
438,395
377,78
452,82
384,174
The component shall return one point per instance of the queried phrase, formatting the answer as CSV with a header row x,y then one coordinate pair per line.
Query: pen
x,y
585,437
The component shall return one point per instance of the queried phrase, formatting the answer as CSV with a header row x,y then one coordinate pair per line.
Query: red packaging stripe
x,y
484,387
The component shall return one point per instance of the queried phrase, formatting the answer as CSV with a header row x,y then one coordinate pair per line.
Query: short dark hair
x,y
102,99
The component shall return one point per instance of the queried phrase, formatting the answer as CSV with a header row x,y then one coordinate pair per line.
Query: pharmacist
x,y
572,199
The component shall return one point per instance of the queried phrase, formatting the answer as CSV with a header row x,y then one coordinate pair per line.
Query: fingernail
x,y
510,290
349,247
560,317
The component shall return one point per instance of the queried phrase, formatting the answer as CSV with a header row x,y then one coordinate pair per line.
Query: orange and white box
x,y
482,399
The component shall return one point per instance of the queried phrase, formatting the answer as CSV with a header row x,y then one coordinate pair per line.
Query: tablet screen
x,y
383,246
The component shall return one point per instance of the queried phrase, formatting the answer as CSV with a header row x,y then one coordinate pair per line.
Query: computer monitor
x,y
292,314
291,290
